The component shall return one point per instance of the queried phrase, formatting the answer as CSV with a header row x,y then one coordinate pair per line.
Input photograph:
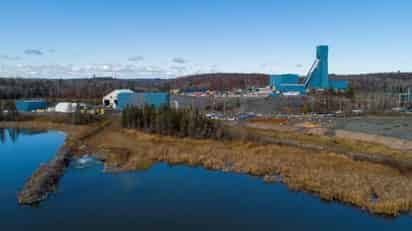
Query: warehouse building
x,y
120,99
155,99
30,105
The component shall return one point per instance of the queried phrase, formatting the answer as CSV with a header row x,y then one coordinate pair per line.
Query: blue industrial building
x,y
30,105
123,99
287,83
155,99
293,88
317,78
278,80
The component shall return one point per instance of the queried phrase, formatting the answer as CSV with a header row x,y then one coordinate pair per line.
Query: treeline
x,y
393,82
8,111
172,122
93,88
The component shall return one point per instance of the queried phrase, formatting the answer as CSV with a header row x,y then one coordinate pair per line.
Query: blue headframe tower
x,y
318,76
316,79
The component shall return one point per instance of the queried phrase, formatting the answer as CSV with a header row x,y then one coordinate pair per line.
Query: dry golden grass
x,y
379,189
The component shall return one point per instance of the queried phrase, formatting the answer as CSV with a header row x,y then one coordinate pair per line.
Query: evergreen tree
x,y
170,121
11,114
76,116
1,111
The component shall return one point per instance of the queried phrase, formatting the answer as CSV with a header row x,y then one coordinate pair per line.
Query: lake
x,y
161,198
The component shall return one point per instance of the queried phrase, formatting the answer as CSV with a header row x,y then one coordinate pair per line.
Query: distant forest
x,y
394,82
222,81
95,88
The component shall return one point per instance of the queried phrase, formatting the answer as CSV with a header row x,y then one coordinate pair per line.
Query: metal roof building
x,y
30,105
155,99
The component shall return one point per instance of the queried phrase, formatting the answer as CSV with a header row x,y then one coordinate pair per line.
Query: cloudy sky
x,y
154,38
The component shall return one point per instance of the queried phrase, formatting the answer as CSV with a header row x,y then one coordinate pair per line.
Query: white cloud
x,y
36,52
10,58
179,60
128,70
136,58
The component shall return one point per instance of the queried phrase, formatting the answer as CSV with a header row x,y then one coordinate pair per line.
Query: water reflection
x,y
162,198
2,135
14,133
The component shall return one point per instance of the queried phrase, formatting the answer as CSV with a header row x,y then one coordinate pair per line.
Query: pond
x,y
162,198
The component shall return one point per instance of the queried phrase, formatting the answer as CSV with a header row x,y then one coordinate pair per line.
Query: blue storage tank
x,y
30,105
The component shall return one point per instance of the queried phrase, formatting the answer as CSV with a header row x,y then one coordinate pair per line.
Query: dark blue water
x,y
164,198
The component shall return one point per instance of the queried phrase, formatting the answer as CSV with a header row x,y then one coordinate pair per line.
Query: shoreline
x,y
46,177
377,188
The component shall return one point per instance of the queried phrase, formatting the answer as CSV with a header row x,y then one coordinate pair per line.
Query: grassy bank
x,y
377,188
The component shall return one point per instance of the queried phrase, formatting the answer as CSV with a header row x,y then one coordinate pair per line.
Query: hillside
x,y
12,88
95,88
220,81
379,82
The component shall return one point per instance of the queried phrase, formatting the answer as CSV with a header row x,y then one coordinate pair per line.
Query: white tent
x,y
66,107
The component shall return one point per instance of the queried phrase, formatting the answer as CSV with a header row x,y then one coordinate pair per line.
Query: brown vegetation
x,y
379,189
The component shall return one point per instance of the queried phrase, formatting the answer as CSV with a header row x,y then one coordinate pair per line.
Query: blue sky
x,y
153,38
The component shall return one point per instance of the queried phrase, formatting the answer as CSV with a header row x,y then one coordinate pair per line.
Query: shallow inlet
x,y
163,198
